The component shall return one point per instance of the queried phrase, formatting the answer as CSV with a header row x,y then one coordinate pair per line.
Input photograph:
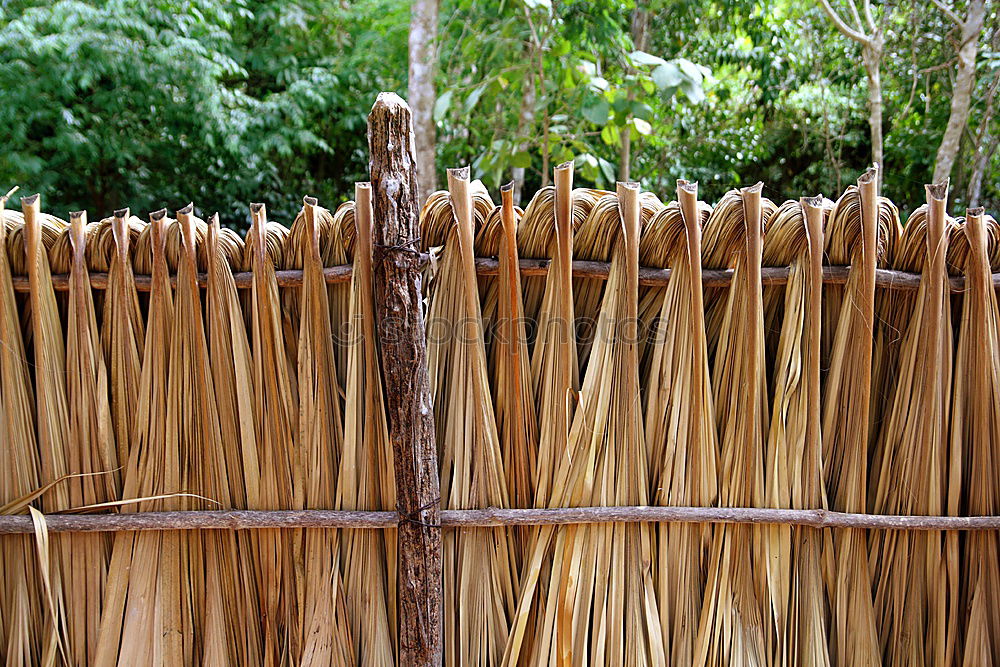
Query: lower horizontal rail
x,y
487,266
260,519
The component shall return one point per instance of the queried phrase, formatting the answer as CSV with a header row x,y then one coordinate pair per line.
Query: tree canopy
x,y
152,103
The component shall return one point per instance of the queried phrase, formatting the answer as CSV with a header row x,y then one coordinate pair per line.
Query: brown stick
x,y
400,322
488,266
261,519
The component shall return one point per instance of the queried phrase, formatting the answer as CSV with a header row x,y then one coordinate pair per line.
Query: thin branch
x,y
842,26
949,12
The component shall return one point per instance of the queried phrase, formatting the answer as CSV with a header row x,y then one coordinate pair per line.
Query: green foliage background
x,y
152,103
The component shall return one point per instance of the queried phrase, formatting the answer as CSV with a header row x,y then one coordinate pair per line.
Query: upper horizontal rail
x,y
261,519
487,266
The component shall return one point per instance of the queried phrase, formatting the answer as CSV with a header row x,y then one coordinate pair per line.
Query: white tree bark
x,y
869,35
965,82
421,93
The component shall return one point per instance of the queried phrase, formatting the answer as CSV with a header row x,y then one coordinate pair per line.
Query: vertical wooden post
x,y
400,321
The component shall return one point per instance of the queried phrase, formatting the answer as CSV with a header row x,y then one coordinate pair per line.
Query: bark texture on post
x,y
400,322
420,90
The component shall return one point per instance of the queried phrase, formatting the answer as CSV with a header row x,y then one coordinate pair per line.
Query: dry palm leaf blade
x,y
914,598
537,238
295,251
325,635
601,602
275,418
209,560
141,620
479,579
91,441
593,241
733,628
860,232
122,326
232,379
655,249
975,432
366,478
333,252
21,615
717,253
794,473
487,244
680,420
67,574
555,381
517,423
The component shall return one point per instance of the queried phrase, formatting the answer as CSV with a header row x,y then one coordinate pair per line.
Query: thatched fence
x,y
676,433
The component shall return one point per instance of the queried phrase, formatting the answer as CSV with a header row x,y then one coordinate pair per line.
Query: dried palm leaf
x,y
555,377
21,618
975,432
68,590
92,444
232,379
680,421
209,560
594,241
733,628
275,418
794,472
516,420
141,621
325,634
479,575
367,480
914,608
601,606
537,237
860,233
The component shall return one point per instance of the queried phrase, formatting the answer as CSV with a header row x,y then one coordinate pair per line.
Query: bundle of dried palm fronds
x,y
915,598
600,604
679,419
479,575
325,635
975,433
793,472
21,616
275,418
861,233
366,480
733,627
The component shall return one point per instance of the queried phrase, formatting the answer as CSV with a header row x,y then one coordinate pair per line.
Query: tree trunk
x,y
871,55
525,125
961,95
640,31
400,321
423,63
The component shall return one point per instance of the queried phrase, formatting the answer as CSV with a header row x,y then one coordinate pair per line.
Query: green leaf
x,y
643,58
693,91
473,98
642,126
608,170
441,106
597,113
521,159
610,134
667,75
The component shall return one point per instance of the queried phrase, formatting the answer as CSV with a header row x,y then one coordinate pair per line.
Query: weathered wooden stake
x,y
400,321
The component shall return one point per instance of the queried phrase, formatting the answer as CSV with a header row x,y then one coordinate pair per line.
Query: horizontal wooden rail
x,y
258,519
487,266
